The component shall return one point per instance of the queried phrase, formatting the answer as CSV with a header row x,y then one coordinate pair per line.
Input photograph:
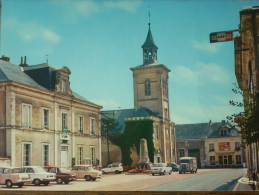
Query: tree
x,y
109,127
247,120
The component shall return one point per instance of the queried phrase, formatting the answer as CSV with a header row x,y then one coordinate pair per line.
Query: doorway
x,y
64,156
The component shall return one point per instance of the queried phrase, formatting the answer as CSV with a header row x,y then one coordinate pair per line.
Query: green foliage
x,y
134,131
109,126
249,119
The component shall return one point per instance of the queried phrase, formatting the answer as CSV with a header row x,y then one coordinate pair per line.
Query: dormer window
x,y
223,132
64,86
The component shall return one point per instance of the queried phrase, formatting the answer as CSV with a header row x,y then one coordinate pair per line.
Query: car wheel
x,y
66,182
153,174
46,183
59,180
93,179
88,178
20,185
9,184
36,182
104,172
117,172
173,169
180,172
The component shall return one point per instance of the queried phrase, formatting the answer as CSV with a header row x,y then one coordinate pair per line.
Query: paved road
x,y
216,181
138,182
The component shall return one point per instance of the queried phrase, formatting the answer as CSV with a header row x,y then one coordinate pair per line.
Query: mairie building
x,y
42,121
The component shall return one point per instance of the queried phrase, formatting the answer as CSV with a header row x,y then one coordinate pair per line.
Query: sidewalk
x,y
243,184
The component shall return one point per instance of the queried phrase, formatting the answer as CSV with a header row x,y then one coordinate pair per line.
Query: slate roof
x,y
143,112
204,130
149,40
10,72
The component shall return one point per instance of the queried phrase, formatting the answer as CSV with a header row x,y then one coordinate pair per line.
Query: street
x,y
203,180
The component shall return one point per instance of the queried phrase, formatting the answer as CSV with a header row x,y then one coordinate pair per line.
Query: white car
x,y
86,172
161,169
38,175
113,168
10,176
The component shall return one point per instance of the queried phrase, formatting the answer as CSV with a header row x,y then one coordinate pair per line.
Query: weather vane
x,y
47,58
149,14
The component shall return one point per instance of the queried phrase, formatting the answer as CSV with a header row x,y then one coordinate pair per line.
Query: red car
x,y
62,174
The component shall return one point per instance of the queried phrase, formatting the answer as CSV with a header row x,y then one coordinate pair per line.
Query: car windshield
x,y
184,161
158,165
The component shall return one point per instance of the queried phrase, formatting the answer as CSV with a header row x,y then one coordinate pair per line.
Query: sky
x,y
100,40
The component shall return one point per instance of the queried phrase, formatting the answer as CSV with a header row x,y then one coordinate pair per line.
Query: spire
x,y
149,48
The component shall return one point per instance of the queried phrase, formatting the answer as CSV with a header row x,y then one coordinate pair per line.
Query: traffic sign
x,y
221,36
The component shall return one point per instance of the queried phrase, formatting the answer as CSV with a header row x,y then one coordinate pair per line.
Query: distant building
x,y
151,102
42,121
214,144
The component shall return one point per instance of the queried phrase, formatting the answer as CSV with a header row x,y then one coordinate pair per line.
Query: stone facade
x,y
41,125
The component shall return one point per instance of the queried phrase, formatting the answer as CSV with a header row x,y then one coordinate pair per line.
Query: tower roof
x,y
149,40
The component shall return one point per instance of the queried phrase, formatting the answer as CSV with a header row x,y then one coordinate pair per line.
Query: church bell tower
x,y
151,81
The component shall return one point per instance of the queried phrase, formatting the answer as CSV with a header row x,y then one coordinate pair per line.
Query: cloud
x,y
85,8
202,74
30,31
211,72
130,6
206,46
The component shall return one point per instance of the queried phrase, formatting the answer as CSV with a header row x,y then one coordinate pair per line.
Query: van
x,y
188,164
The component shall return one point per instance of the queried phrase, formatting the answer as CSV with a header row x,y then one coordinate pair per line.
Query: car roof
x,y
53,167
82,165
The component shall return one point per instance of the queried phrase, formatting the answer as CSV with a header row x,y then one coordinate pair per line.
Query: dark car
x,y
62,174
175,167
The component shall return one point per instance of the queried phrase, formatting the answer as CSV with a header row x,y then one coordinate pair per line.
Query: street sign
x,y
221,36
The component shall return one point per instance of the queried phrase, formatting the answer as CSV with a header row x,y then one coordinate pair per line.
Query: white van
x,y
188,164
113,168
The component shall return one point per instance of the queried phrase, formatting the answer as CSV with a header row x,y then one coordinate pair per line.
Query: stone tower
x,y
151,81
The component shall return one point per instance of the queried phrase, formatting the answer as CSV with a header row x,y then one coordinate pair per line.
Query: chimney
x,y
23,64
4,58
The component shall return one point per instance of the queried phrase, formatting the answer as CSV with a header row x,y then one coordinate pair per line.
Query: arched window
x,y
147,87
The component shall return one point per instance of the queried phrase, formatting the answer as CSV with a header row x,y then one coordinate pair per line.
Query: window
x,y
26,154
181,153
45,118
64,86
92,126
45,154
147,87
211,147
238,159
223,132
212,160
64,122
26,115
80,124
157,132
80,155
93,155
237,146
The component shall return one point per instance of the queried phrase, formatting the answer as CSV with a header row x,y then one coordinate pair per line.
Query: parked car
x,y
10,176
38,175
113,168
175,167
188,164
62,174
161,169
86,172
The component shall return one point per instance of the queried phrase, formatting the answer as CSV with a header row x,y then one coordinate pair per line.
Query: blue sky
x,y
99,41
